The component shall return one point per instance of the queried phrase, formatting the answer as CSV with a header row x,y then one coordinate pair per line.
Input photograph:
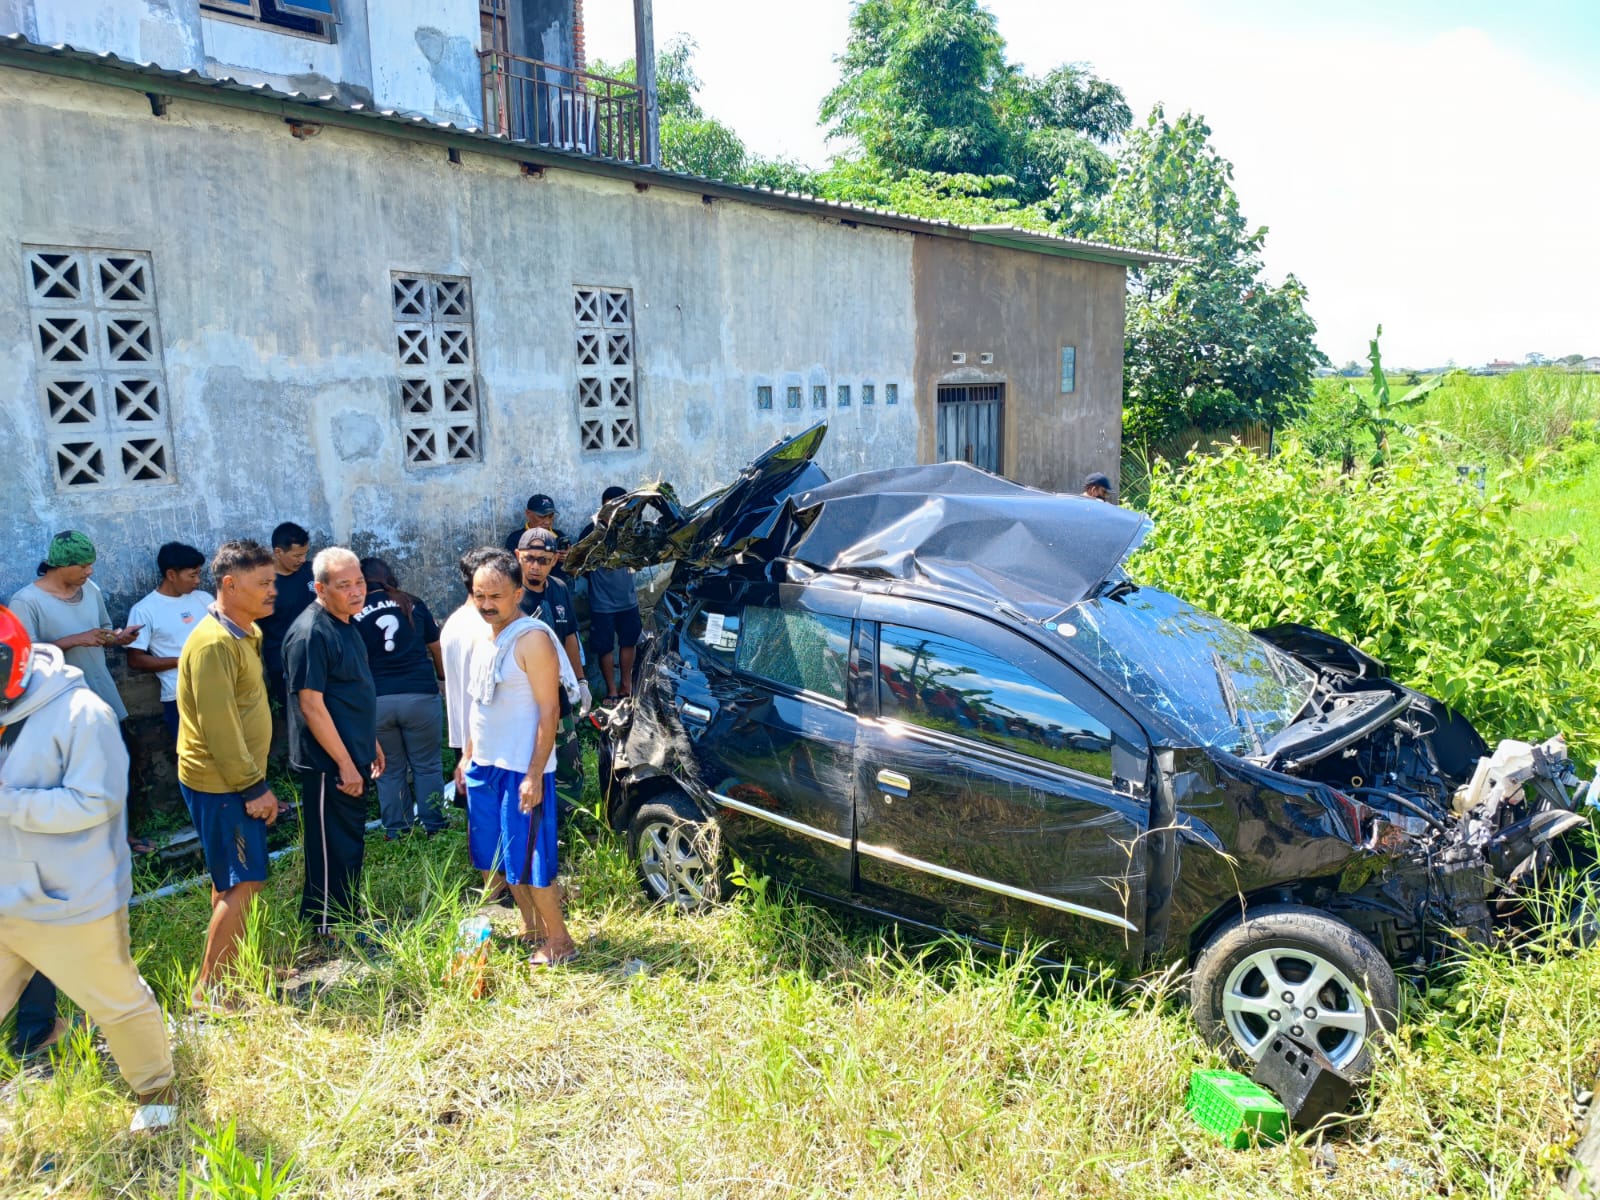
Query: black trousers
x,y
335,829
36,1015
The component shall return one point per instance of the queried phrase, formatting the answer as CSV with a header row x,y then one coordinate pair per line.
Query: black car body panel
x,y
930,693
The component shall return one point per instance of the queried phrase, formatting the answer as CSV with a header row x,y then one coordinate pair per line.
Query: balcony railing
x,y
556,106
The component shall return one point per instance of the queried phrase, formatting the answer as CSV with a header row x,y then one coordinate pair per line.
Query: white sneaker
x,y
153,1118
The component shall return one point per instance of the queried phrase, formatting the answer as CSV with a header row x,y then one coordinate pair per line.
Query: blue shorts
x,y
234,842
500,836
607,629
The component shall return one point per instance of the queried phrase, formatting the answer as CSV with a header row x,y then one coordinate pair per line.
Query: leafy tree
x,y
1209,342
925,87
916,86
691,141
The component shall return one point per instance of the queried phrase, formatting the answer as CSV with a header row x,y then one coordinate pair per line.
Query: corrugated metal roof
x,y
16,50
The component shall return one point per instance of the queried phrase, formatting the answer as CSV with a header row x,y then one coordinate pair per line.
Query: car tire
x,y
1254,980
677,852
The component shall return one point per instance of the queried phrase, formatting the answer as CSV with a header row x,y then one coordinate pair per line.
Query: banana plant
x,y
1375,412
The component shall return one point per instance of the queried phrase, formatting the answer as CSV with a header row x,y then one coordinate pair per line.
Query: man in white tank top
x,y
512,687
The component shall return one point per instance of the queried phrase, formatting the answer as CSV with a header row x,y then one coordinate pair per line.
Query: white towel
x,y
487,670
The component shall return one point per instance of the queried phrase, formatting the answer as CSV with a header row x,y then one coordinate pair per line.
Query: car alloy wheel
x,y
1285,970
677,854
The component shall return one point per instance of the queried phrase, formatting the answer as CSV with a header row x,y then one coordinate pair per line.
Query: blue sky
x,y
1433,166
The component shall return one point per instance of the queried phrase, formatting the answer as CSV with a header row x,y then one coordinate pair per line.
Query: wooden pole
x,y
644,57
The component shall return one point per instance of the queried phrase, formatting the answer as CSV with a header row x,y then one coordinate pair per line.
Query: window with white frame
x,y
437,367
608,411
98,361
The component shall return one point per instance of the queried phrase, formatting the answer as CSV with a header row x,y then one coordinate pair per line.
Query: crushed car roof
x,y
954,527
948,526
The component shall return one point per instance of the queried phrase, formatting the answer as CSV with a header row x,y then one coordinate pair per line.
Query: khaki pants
x,y
91,963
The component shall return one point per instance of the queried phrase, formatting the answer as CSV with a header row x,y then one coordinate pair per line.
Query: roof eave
x,y
108,69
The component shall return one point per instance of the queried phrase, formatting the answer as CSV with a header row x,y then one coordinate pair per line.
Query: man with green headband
x,y
65,608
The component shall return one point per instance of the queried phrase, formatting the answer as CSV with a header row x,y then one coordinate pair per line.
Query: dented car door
x,y
773,734
997,792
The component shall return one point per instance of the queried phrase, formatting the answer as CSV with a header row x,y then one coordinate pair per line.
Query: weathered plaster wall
x,y
542,29
272,261
291,63
1023,308
160,31
425,58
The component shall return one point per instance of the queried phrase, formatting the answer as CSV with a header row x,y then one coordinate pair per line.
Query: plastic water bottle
x,y
472,954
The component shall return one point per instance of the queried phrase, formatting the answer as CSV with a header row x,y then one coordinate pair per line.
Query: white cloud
x,y
1444,185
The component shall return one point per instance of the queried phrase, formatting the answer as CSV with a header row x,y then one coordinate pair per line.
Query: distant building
x,y
1500,367
1591,365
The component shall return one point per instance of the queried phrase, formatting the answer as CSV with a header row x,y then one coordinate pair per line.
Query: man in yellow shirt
x,y
224,732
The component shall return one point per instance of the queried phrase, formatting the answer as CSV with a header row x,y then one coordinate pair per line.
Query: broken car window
x,y
716,630
804,650
1228,689
941,683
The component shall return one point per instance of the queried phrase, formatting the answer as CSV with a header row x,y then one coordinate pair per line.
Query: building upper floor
x,y
512,67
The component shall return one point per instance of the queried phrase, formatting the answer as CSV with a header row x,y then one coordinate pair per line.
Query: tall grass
x,y
765,1049
1512,416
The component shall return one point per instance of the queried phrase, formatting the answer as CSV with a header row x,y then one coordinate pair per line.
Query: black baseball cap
x,y
541,505
1097,480
539,539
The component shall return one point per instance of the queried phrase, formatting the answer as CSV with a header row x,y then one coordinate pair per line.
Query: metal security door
x,y
971,424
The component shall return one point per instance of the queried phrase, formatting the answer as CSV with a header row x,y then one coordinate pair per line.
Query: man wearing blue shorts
x,y
513,683
224,732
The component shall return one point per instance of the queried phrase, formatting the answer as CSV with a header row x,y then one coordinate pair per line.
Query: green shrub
x,y
1416,569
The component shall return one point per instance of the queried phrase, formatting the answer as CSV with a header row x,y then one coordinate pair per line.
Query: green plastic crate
x,y
1238,1110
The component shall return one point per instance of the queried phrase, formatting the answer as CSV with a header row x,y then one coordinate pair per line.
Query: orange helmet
x,y
16,659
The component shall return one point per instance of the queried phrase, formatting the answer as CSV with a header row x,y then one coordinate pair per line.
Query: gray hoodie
x,y
63,801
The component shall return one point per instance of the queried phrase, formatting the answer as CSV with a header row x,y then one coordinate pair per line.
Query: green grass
x,y
1565,502
769,1048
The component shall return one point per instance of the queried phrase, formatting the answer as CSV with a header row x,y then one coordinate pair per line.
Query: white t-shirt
x,y
456,637
168,621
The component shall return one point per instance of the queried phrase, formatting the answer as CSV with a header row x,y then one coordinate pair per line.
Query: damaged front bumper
x,y
1433,879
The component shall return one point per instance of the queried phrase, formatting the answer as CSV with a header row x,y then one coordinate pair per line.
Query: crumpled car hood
x,y
948,525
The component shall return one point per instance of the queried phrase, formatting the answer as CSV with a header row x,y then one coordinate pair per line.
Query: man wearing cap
x,y
1098,487
550,600
65,872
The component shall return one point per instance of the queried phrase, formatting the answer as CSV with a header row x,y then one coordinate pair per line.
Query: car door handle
x,y
894,784
695,712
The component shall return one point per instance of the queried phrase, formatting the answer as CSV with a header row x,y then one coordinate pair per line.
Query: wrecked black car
x,y
932,695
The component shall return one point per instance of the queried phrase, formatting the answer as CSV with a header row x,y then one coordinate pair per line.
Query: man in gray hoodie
x,y
65,871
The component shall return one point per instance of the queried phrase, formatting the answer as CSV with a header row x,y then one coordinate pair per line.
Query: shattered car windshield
x,y
1230,690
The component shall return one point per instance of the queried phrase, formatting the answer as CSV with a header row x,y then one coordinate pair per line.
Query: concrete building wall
x,y
272,260
414,56
161,31
425,58
290,62
1022,308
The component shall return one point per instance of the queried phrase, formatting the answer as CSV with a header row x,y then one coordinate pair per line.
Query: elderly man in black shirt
x,y
333,735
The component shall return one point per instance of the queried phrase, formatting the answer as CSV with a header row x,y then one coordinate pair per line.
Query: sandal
x,y
141,845
551,960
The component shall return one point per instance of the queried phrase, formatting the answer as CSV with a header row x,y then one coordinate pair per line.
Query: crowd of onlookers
x,y
367,685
